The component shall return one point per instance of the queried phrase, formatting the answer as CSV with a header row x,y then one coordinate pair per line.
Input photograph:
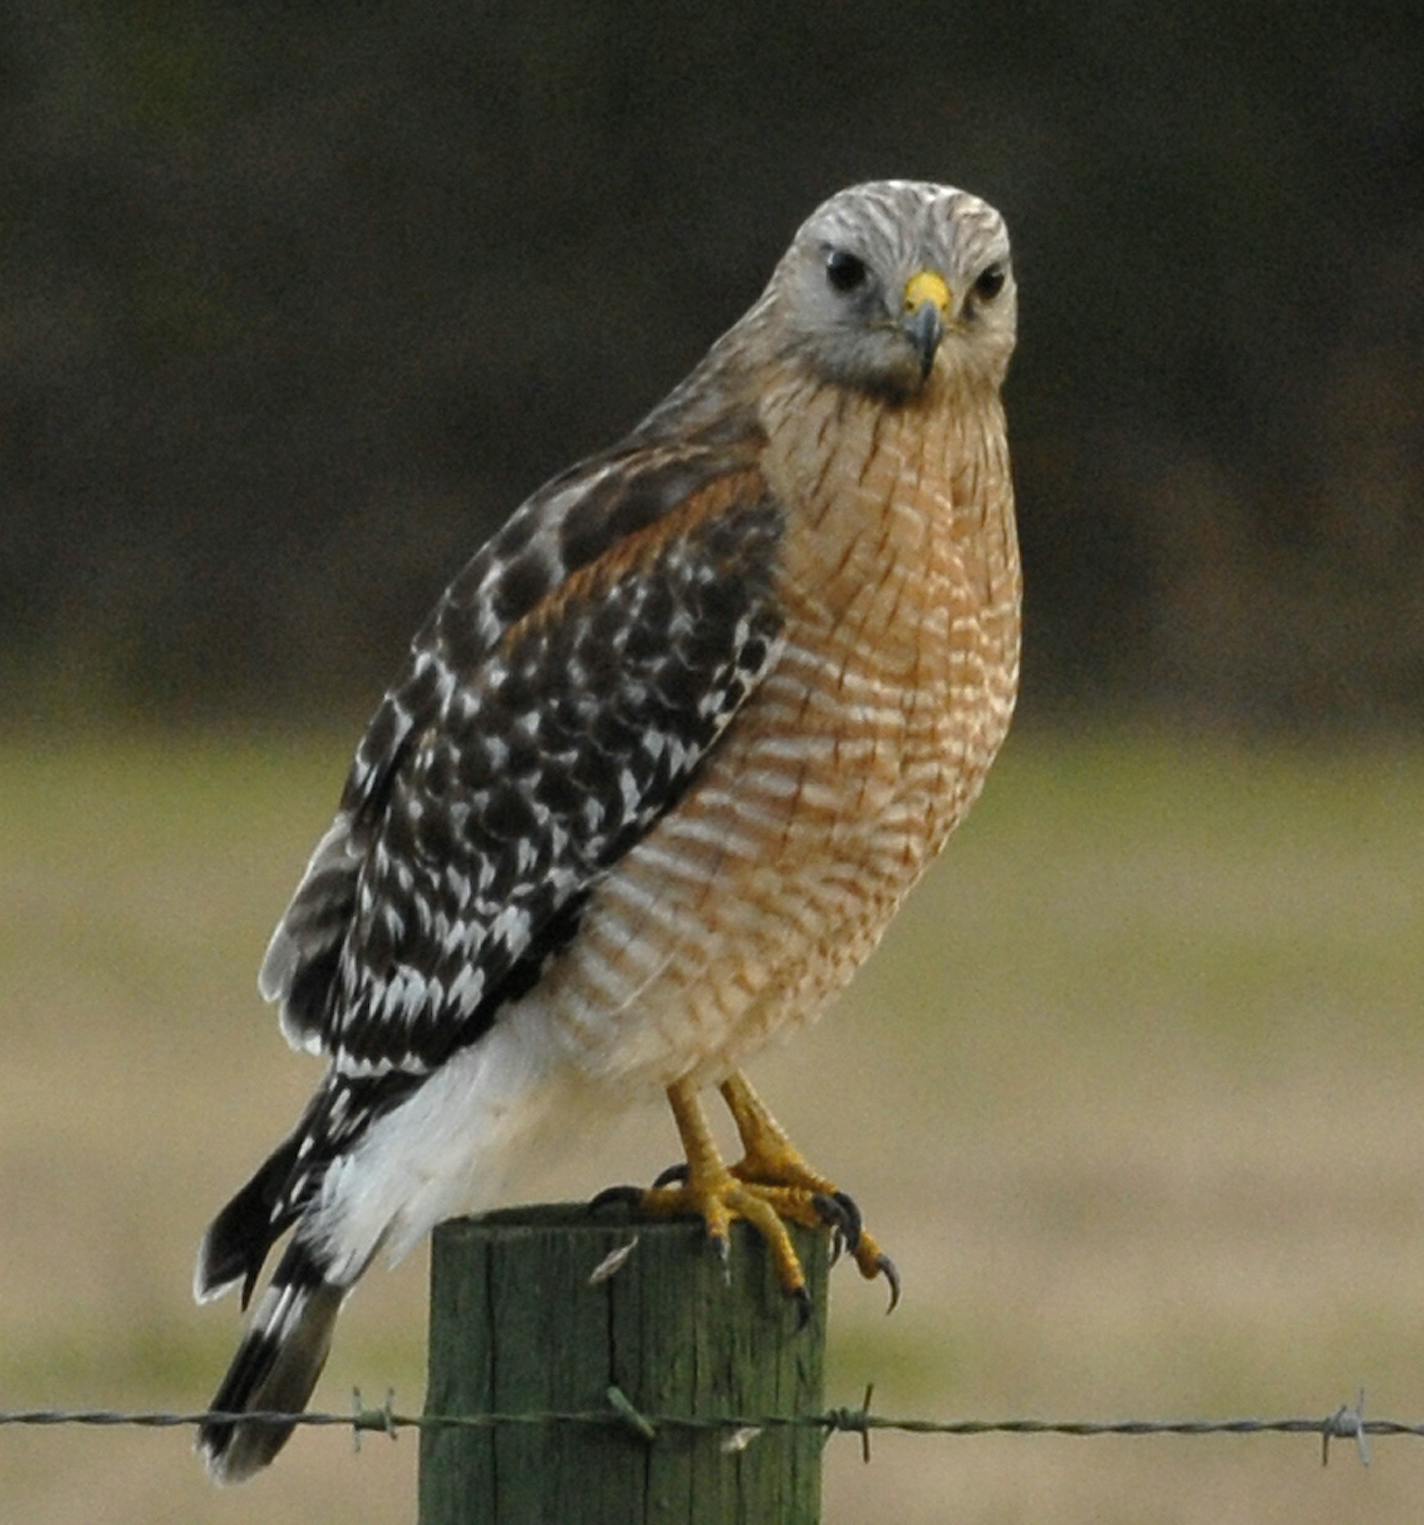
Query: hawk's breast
x,y
761,893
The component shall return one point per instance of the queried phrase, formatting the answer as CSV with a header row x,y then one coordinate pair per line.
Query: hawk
x,y
657,772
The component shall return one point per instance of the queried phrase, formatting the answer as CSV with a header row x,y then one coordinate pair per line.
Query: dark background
x,y
296,302
299,302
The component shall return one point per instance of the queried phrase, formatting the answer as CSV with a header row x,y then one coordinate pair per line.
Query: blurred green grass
x,y
1132,1093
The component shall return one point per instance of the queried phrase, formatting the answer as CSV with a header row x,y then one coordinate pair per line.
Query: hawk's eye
x,y
844,271
990,282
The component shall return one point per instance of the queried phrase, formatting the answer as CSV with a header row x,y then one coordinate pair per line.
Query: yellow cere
x,y
927,286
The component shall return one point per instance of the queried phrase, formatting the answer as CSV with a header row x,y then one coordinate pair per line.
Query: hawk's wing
x,y
557,702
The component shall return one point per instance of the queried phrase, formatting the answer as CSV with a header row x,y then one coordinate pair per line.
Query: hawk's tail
x,y
275,1368
237,1243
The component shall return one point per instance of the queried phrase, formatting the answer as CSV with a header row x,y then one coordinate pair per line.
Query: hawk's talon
x,y
772,1163
829,1211
842,1217
882,1265
721,1247
706,1188
769,1187
622,1196
840,1214
851,1213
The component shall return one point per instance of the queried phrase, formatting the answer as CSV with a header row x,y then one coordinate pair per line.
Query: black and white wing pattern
x,y
558,701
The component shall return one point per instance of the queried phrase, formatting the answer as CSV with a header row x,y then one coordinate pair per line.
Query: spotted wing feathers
x,y
557,702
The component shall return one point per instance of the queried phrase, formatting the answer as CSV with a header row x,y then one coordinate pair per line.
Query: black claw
x,y
624,1196
886,1267
837,1245
722,1246
853,1222
835,1217
673,1173
802,1299
832,1214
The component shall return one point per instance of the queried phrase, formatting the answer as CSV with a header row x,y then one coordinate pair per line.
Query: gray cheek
x,y
880,364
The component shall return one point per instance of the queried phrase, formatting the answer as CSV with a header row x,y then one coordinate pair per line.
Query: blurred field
x,y
1134,1093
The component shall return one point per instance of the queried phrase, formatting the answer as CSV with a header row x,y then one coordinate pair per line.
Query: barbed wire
x,y
1348,1422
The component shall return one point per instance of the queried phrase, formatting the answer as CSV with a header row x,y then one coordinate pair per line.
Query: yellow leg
x,y
771,1160
718,1197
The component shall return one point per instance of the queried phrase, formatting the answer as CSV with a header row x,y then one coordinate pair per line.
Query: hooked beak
x,y
927,304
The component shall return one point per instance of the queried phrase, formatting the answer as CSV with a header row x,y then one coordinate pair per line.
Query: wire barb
x,y
384,1418
857,1421
362,1418
1347,1423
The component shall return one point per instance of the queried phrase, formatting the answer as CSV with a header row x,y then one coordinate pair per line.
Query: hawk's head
x,y
890,283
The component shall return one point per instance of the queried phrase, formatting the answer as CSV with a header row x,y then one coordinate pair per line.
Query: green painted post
x,y
517,1327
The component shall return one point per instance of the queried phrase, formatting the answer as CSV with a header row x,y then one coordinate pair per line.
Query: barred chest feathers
x,y
844,774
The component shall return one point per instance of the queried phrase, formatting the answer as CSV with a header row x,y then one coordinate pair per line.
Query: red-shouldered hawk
x,y
657,773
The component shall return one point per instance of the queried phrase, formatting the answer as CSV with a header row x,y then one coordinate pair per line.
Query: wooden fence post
x,y
516,1327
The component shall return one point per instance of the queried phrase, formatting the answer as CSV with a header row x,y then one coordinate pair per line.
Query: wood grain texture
x,y
515,1326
